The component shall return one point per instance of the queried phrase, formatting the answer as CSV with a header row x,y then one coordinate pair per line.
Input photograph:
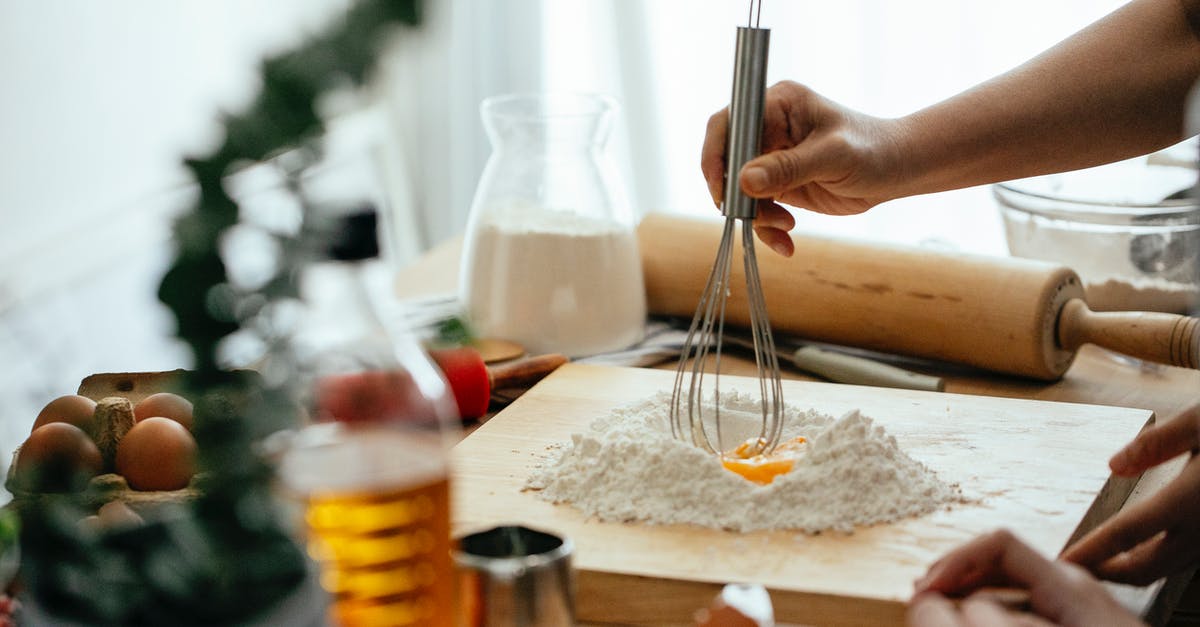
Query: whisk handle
x,y
745,116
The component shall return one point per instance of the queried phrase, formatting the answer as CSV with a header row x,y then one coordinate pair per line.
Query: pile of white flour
x,y
628,467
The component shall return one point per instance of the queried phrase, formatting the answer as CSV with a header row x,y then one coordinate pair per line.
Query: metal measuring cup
x,y
515,576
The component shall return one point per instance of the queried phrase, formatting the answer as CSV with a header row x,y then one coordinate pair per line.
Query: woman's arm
x,y
1117,89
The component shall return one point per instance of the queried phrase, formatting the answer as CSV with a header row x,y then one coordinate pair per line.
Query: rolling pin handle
x,y
1159,337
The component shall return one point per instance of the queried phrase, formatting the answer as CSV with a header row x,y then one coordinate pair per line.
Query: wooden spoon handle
x,y
524,372
1159,337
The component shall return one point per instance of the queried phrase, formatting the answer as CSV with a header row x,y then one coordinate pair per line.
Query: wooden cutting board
x,y
1036,467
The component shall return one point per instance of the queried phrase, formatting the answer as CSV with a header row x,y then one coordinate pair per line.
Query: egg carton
x,y
115,394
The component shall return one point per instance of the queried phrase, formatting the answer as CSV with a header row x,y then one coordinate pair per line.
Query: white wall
x,y
102,100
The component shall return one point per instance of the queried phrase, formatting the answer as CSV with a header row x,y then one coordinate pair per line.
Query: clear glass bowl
x,y
1131,230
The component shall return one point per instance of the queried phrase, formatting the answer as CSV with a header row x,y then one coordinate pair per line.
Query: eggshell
x,y
72,409
53,455
165,405
157,454
117,515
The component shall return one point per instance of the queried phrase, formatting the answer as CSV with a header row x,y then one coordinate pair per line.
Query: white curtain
x,y
431,87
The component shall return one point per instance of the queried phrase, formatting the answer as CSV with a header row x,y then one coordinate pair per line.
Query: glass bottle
x,y
372,466
551,258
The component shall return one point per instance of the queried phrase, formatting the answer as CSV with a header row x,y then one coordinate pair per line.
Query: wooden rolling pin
x,y
1002,314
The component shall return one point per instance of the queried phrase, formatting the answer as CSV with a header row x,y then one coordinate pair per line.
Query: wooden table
x,y
1096,377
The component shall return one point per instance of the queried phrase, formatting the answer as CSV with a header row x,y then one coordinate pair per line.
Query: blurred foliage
x,y
9,527
453,331
225,556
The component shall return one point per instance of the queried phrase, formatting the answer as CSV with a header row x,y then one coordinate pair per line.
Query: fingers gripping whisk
x,y
695,387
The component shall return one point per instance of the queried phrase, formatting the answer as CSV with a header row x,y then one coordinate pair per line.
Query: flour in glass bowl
x,y
627,467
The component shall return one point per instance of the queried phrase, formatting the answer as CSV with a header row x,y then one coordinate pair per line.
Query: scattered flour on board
x,y
627,467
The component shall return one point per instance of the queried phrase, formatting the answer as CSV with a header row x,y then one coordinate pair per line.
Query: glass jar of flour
x,y
551,258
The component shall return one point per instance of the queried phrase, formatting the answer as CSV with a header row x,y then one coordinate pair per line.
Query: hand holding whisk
x,y
688,420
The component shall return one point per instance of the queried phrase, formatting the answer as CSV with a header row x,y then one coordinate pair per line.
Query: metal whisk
x,y
688,421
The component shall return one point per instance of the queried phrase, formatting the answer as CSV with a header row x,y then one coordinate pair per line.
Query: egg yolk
x,y
759,468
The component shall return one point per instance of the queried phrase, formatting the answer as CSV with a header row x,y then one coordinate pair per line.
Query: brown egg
x,y
165,405
55,456
71,409
157,454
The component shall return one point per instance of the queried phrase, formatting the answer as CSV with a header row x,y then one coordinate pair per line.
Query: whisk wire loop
x,y
755,15
766,360
710,312
688,421
687,411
